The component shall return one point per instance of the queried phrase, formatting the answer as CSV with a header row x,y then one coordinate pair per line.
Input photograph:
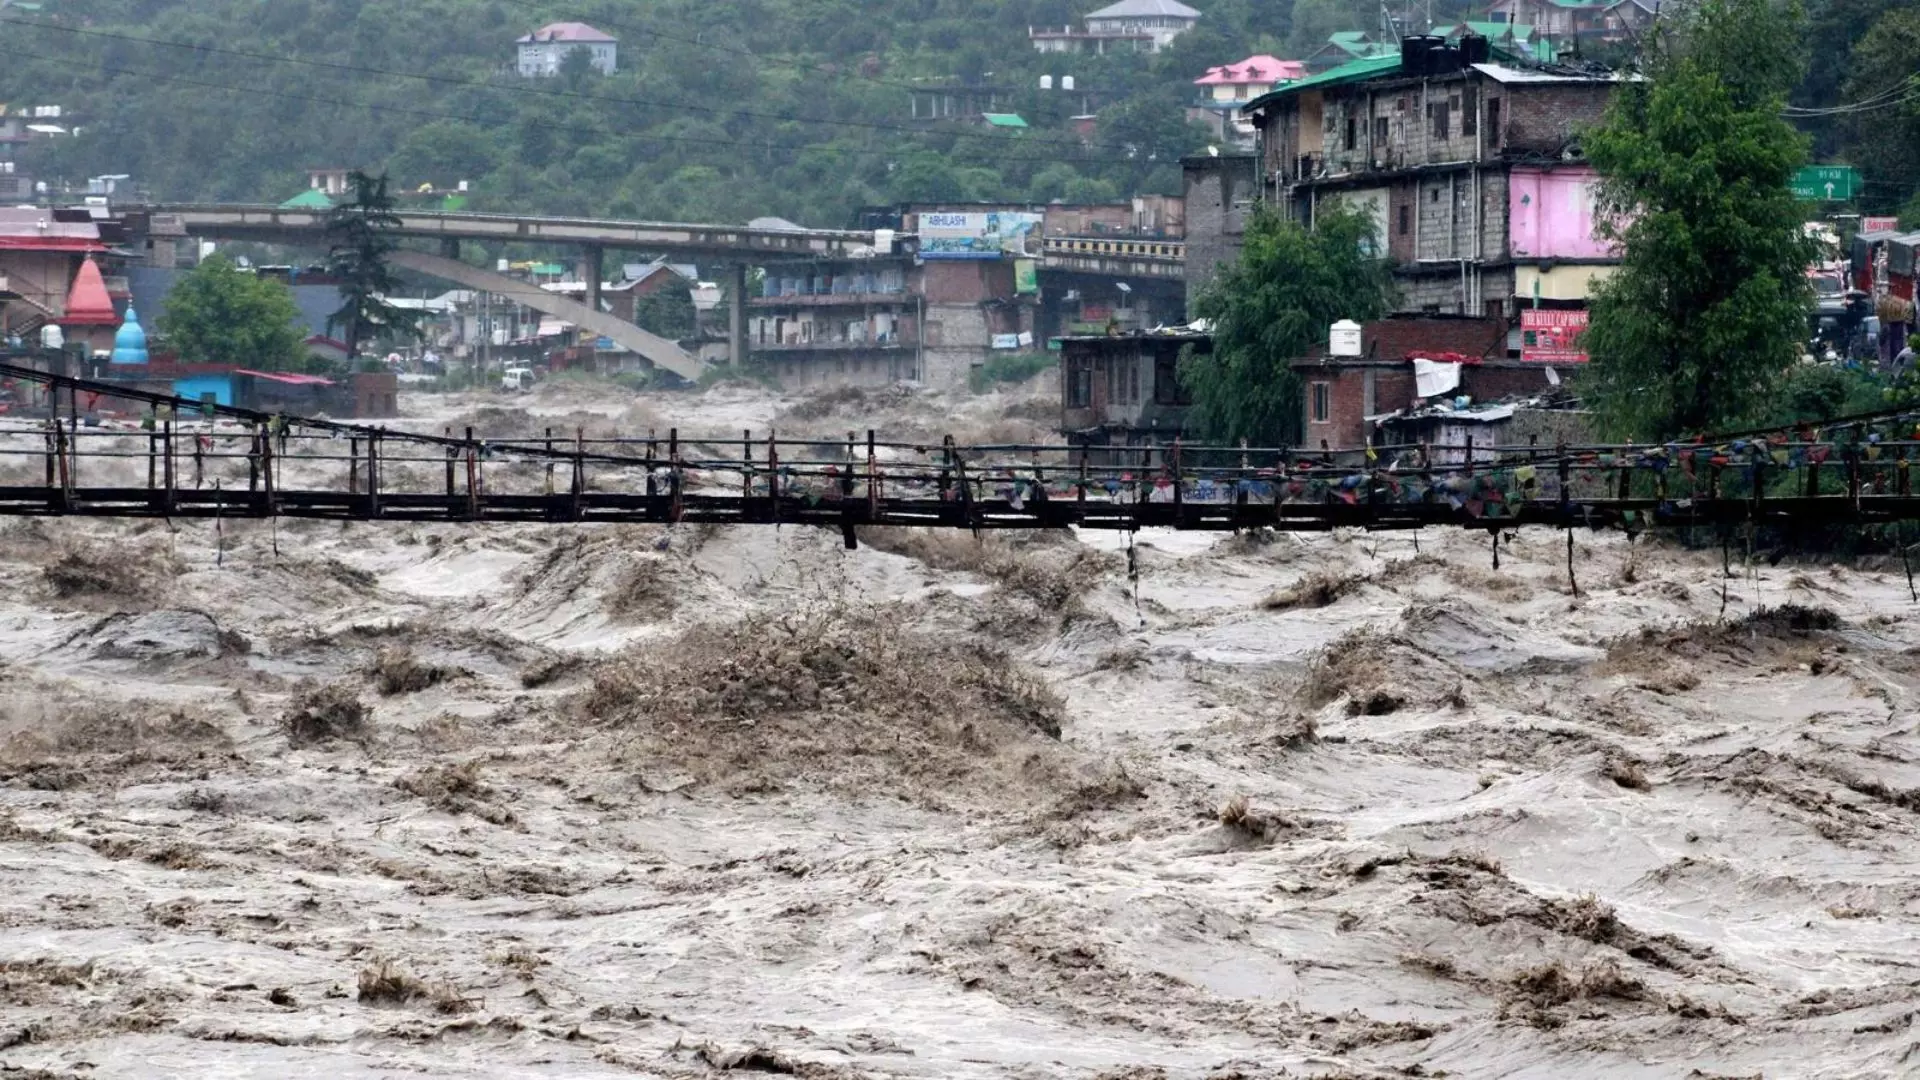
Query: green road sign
x,y
1826,183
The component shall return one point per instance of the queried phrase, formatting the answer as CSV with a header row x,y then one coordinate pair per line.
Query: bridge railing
x,y
112,449
1115,248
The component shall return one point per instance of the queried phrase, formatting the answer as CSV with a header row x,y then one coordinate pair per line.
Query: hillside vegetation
x,y
723,109
720,111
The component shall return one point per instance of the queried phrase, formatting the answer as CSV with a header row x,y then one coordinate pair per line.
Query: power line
x,y
448,80
1868,104
733,144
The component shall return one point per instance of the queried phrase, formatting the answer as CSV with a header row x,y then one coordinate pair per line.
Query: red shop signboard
x,y
1552,337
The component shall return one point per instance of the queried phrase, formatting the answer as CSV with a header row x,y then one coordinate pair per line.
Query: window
x,y
1322,403
1433,196
1406,219
1353,139
1493,120
1442,125
1080,383
1496,310
1470,110
1379,133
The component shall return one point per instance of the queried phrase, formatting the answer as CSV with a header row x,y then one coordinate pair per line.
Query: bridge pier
x,y
737,319
592,270
450,247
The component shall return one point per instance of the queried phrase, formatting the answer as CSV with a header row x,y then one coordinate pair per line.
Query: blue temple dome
x,y
130,343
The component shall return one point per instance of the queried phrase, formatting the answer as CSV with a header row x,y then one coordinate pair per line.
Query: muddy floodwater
x,y
313,800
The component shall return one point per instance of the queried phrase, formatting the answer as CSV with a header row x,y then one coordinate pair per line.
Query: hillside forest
x,y
724,110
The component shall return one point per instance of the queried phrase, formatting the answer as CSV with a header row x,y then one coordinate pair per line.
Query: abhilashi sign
x,y
976,235
1552,337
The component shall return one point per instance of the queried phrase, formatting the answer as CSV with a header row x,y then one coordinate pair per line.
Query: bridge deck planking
x,y
616,507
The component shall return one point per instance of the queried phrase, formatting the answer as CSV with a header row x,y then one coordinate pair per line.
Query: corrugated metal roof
x,y
1505,75
1137,8
1351,71
289,378
567,31
1261,68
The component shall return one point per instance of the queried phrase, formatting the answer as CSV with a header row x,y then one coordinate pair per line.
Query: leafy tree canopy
x,y
220,314
1269,309
1708,311
732,109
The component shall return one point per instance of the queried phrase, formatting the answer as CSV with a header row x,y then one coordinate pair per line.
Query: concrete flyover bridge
x,y
662,352
269,224
737,246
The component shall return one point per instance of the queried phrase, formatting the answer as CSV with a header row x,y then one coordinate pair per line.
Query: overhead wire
x,y
1910,86
524,88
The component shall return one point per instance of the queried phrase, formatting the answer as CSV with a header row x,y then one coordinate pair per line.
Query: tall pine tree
x,y
359,233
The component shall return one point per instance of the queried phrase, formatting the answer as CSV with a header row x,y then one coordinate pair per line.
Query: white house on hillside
x,y
1140,25
542,51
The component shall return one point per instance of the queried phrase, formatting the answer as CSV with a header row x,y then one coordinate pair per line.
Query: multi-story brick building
x,y
1217,192
1467,160
1342,394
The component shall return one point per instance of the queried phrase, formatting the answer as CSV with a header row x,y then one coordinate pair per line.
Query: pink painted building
x,y
1550,233
1550,214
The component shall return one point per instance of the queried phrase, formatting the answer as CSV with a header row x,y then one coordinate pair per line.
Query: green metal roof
x,y
1352,71
1520,31
1369,67
1005,120
310,199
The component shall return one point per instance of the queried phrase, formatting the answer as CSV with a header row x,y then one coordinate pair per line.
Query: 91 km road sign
x,y
1826,183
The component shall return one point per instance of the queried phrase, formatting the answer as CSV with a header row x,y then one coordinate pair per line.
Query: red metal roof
x,y
29,228
73,244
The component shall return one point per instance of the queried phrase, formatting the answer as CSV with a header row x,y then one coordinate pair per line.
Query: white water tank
x,y
883,241
1046,82
1066,82
1343,339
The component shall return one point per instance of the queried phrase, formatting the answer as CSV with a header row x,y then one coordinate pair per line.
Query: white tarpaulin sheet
x,y
1432,377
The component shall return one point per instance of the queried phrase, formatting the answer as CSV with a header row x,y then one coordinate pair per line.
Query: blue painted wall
x,y
193,386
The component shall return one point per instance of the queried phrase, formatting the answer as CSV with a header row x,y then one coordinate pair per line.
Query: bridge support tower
x,y
737,318
592,271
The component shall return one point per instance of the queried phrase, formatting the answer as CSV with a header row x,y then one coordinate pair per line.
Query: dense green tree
x,y
1708,311
783,106
1884,140
1289,286
220,314
360,233
668,312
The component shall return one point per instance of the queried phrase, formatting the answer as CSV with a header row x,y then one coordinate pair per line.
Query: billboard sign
x,y
1879,224
1552,337
988,235
1026,277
